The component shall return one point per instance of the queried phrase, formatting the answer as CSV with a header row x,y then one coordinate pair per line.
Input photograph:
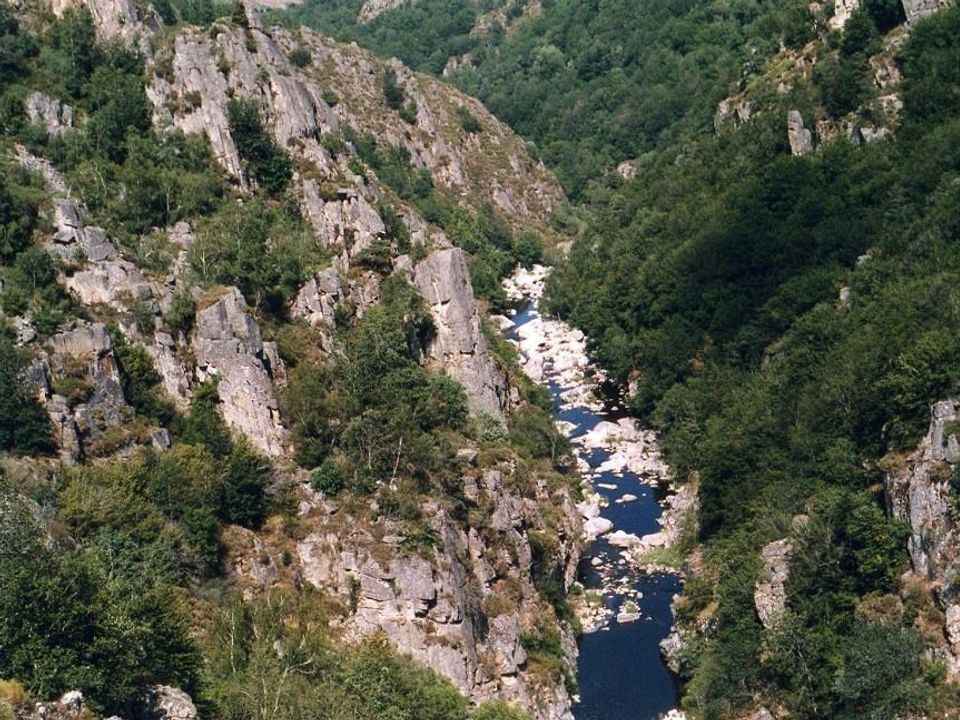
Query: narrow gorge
x,y
634,519
479,360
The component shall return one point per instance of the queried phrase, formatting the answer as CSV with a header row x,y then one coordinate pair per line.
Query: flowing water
x,y
620,674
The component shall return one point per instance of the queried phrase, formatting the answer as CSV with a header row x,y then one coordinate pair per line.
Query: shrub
x,y
300,56
142,384
266,163
392,92
24,425
246,476
330,98
328,478
468,121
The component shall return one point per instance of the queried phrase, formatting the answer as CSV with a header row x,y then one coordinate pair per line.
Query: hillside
x,y
769,270
263,455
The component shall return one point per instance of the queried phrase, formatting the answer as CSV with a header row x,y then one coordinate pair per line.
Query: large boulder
x,y
170,703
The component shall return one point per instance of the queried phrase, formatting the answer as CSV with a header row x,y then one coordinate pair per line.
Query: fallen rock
x,y
623,539
171,703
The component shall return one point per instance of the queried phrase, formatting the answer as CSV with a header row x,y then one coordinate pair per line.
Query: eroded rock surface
x,y
801,139
461,607
919,9
919,493
459,348
770,594
49,113
229,349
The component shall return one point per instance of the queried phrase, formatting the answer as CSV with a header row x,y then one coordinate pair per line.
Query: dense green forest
x,y
590,83
784,322
712,282
113,573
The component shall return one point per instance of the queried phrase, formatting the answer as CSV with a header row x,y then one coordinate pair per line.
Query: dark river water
x,y
620,672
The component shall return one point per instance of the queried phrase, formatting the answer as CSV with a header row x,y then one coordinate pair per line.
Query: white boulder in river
x,y
595,527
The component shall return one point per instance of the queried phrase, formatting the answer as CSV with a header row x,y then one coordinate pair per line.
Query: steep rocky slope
x,y
461,602
920,491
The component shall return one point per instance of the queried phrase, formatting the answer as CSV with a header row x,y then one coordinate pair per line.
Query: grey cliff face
x,y
801,139
919,494
49,113
770,594
446,606
459,347
229,349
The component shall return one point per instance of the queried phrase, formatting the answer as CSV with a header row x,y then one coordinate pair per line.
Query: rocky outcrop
x,y
201,92
317,303
919,9
80,387
195,76
919,493
843,10
800,138
374,8
346,223
49,113
770,594
459,347
229,350
734,112
170,703
123,20
73,241
460,606
118,284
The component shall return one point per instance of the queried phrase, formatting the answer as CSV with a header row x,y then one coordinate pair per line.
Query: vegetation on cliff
x,y
784,321
118,567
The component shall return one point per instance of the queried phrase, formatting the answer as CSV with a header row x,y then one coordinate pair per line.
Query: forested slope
x,y
786,323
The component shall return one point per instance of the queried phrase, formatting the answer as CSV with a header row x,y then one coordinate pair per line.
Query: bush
x,y
246,476
392,92
142,384
468,121
265,162
102,635
300,56
24,425
328,478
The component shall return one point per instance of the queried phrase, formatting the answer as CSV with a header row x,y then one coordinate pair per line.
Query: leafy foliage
x,y
265,161
263,249
24,425
377,406
76,621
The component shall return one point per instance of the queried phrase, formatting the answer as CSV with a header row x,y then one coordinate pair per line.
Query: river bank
x,y
632,518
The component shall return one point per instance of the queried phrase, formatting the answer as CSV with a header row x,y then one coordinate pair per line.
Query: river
x,y
621,675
